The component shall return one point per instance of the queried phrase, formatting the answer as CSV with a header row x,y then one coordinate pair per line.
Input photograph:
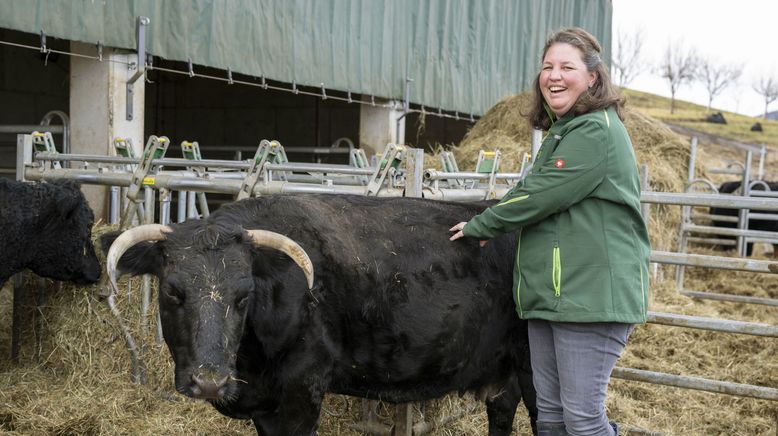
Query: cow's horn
x,y
265,238
147,232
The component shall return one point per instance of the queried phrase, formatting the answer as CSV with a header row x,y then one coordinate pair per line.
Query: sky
x,y
740,32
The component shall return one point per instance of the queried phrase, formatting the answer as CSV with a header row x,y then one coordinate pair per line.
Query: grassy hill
x,y
691,115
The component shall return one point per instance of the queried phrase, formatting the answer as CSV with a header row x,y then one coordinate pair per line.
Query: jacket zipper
x,y
518,268
556,270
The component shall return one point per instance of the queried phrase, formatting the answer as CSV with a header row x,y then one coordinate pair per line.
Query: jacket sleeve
x,y
574,169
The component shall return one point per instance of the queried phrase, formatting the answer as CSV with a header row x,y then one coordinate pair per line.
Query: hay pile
x,y
81,385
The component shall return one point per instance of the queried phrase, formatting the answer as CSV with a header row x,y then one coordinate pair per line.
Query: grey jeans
x,y
571,366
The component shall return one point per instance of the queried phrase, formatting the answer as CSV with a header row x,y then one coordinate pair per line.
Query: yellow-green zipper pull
x,y
556,273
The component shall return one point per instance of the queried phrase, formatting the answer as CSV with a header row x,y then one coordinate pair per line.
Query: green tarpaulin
x,y
462,55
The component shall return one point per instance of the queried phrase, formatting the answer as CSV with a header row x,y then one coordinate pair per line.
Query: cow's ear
x,y
142,258
67,197
269,262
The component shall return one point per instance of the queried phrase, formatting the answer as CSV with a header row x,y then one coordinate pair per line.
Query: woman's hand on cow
x,y
459,233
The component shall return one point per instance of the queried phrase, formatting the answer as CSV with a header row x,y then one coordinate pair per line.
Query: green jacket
x,y
583,247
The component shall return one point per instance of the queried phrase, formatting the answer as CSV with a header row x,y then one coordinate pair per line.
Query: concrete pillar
x,y
98,110
379,126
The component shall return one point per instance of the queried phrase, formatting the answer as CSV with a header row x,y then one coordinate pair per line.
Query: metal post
x,y
140,38
403,420
191,205
113,208
743,213
203,203
23,155
762,156
181,206
537,140
692,159
414,173
149,195
164,206
644,186
40,303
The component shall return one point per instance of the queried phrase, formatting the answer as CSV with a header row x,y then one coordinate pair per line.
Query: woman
x,y
581,274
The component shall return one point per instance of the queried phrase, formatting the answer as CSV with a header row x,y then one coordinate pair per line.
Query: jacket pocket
x,y
556,270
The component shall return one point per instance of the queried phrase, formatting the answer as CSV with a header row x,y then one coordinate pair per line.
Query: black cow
x,y
396,311
770,226
46,227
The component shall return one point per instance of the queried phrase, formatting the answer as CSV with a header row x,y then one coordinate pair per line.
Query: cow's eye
x,y
174,295
242,301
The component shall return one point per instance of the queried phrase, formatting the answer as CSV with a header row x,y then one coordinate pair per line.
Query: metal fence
x,y
398,172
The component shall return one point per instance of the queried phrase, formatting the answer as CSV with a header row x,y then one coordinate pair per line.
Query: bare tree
x,y
626,60
678,67
767,87
716,77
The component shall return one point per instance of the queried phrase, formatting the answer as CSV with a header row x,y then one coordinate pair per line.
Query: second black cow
x,y
395,311
46,227
770,226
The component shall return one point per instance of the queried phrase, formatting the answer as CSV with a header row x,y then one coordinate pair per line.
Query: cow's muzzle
x,y
208,386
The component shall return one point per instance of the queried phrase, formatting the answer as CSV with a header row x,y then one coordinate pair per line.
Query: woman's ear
x,y
592,78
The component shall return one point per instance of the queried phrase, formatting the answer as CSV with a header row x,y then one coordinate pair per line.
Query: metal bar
x,y
728,231
167,162
758,193
720,262
29,128
717,200
319,168
722,218
713,324
697,383
431,174
731,298
289,150
734,171
712,241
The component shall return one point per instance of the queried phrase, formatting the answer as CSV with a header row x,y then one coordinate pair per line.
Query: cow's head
x,y
206,287
63,249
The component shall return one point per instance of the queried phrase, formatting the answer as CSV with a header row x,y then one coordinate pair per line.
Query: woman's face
x,y
563,77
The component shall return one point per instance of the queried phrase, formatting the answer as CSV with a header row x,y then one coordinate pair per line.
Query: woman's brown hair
x,y
602,94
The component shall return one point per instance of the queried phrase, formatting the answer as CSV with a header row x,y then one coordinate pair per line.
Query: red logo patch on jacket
x,y
559,163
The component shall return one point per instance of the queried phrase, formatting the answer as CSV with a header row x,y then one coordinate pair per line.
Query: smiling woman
x,y
581,271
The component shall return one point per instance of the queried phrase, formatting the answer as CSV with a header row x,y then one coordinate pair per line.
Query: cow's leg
x,y
267,423
501,408
529,396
